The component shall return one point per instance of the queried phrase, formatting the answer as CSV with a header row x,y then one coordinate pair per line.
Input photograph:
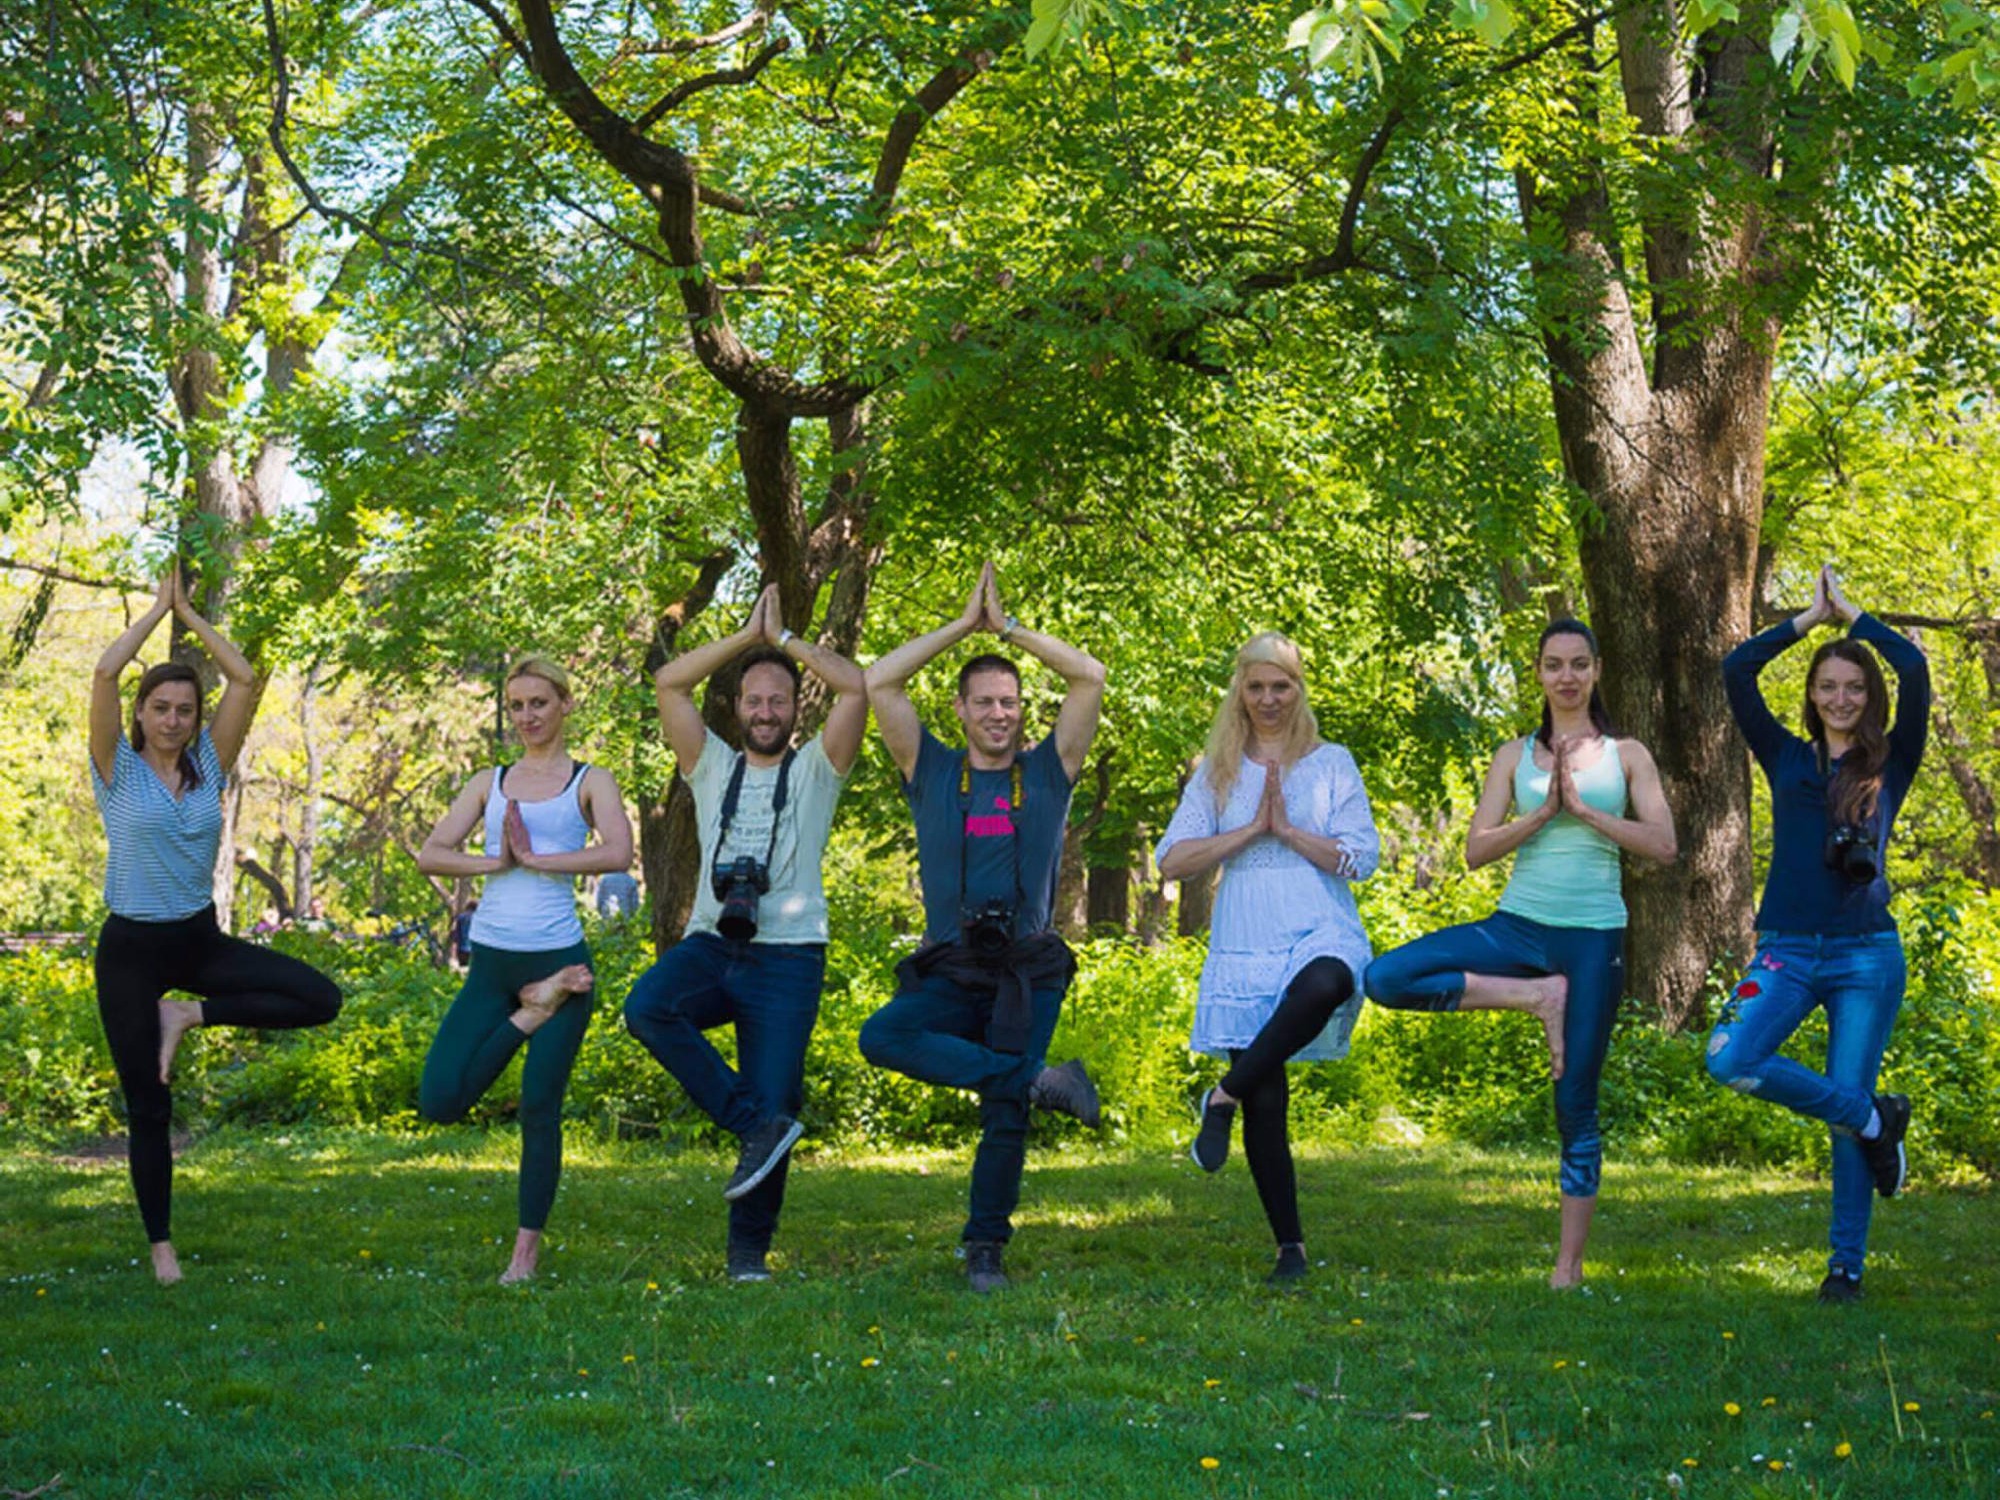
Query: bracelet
x,y
1008,626
785,637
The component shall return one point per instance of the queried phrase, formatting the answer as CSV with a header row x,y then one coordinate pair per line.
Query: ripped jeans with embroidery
x,y
1858,978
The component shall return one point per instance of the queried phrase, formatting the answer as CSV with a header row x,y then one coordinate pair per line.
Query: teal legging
x,y
477,1040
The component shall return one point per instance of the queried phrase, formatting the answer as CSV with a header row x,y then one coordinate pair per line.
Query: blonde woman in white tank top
x,y
530,981
1556,946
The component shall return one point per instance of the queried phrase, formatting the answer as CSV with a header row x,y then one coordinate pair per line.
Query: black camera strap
x,y
1018,799
735,792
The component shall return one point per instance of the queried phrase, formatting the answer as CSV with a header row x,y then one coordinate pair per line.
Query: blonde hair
x,y
1231,734
536,665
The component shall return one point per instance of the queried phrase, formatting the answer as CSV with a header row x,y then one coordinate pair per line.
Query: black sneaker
x,y
982,1266
1886,1158
746,1262
763,1149
1840,1286
1211,1143
1068,1091
1291,1266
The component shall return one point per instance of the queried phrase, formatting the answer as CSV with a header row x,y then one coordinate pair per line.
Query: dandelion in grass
x,y
367,1254
652,1286
1732,1408
1562,1364
1690,1463
1912,1406
870,1362
1843,1450
874,1327
1354,1322
1768,1401
1727,1334
631,1359
1211,1463
584,1373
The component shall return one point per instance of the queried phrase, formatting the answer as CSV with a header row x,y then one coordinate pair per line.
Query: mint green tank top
x,y
1567,875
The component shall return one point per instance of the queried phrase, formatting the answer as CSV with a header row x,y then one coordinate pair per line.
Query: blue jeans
x,y
770,992
939,1033
1859,979
1429,974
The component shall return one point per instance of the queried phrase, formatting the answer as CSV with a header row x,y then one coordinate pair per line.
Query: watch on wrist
x,y
786,636
1008,626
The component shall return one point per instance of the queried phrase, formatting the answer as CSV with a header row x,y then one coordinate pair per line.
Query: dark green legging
x,y
477,1040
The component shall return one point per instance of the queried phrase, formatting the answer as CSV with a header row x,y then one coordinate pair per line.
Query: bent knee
x,y
326,1000
880,1040
1729,1064
440,1108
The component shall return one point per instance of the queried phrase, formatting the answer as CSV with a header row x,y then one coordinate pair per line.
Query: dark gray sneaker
x,y
763,1149
1211,1142
1840,1286
1067,1090
746,1262
1887,1160
982,1266
1291,1266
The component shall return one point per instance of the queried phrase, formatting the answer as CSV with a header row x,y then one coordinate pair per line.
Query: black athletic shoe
x,y
763,1149
1068,1091
1840,1286
1885,1155
982,1266
1291,1266
1211,1143
746,1262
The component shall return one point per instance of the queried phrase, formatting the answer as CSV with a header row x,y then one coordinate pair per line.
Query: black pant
x,y
240,985
1256,1077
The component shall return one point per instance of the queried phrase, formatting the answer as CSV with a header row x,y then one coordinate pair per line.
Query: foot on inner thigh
x,y
177,1019
545,997
166,1264
527,1248
1550,1002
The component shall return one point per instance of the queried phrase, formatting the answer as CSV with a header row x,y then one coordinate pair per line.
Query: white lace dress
x,y
1276,911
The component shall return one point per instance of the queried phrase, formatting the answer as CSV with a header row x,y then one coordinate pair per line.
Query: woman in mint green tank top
x,y
1581,796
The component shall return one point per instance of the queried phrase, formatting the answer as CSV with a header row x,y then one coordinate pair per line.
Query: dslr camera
x,y
1850,851
737,885
988,929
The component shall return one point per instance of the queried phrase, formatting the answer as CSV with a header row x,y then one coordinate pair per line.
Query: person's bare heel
x,y
166,1264
1551,1007
177,1019
527,1252
543,998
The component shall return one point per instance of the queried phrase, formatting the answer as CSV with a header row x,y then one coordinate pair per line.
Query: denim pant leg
x,y
671,1005
937,1033
1862,981
1003,1132
775,989
1429,973
1593,960
1770,1003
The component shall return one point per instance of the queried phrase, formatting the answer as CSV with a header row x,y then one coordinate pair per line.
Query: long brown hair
x,y
1851,796
156,678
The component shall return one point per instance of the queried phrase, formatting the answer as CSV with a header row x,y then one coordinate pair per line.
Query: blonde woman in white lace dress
x,y
1286,817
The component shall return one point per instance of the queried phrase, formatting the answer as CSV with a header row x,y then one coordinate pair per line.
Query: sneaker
x,y
746,1262
1068,1091
1291,1266
1840,1286
982,1266
1211,1143
1886,1158
763,1149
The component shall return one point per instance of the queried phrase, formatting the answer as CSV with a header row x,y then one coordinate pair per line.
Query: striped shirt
x,y
161,861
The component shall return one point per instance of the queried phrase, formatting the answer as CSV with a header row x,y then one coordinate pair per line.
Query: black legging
x,y
240,984
1256,1078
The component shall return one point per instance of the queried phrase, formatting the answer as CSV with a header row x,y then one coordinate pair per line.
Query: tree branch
x,y
63,575
675,97
901,139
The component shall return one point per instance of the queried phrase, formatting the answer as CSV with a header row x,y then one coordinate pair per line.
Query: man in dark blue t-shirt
x,y
976,1005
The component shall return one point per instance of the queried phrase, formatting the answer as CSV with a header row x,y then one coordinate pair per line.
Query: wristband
x,y
786,637
1007,628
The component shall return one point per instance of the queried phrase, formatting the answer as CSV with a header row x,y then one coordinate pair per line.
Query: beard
x,y
767,739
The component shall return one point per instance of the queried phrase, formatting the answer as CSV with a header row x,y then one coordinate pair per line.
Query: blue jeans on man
x,y
770,993
940,1033
1858,978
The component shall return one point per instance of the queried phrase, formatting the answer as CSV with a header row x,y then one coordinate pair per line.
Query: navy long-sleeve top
x,y
1801,894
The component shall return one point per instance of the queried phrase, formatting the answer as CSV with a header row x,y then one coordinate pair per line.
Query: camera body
x,y
988,928
1850,851
737,885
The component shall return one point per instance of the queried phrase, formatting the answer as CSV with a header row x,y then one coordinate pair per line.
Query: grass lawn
x,y
340,1333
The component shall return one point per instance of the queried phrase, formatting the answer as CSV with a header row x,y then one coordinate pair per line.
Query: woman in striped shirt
x,y
160,795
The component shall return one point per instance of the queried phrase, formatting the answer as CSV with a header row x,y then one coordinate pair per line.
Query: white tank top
x,y
532,911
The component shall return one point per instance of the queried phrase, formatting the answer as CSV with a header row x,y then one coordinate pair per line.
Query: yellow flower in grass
x,y
631,1359
1843,1450
1690,1463
367,1254
1210,1384
1727,1334
1354,1322
1776,1466
1768,1401
1732,1408
1562,1364
870,1362
1211,1463
1912,1406
584,1373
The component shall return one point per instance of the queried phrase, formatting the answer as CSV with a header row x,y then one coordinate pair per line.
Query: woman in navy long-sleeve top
x,y
1825,935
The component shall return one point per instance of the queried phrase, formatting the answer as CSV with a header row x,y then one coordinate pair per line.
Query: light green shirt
x,y
1567,875
794,909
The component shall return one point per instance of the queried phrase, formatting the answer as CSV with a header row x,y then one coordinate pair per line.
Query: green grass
x,y
339,1333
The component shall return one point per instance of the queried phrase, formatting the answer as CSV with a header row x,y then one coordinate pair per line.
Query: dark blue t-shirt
x,y
1801,892
985,829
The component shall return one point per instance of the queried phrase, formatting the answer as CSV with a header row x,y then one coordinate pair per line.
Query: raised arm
x,y
1495,836
847,719
1650,830
239,699
107,720
674,684
1740,669
441,855
1083,703
604,809
888,678
1911,731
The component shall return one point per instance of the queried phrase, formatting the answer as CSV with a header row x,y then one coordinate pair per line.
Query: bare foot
x,y
1550,1004
177,1019
1566,1278
527,1250
166,1264
545,997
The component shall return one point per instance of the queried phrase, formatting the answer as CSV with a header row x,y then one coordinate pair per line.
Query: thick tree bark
x,y
1196,906
1110,898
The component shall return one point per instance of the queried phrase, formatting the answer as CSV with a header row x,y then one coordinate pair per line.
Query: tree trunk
x,y
1197,904
669,861
1110,898
306,847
